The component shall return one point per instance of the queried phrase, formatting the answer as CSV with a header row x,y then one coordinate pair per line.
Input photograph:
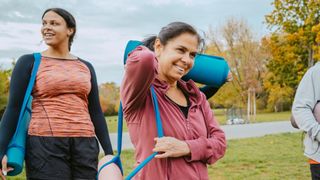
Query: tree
x,y
286,68
294,47
316,30
109,94
4,89
299,17
246,58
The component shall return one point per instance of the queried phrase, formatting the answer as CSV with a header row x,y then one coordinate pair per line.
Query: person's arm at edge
x,y
306,97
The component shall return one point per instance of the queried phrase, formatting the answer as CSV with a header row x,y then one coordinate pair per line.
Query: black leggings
x,y
315,171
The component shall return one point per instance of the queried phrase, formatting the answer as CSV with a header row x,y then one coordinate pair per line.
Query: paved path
x,y
232,132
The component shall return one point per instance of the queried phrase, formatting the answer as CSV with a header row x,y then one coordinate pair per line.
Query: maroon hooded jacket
x,y
199,130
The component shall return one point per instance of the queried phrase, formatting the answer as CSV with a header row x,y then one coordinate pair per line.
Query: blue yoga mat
x,y
16,147
207,69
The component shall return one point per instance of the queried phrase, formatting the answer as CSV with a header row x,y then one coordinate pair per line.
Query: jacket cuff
x,y
197,147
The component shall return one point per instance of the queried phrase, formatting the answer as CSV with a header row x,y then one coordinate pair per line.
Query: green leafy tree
x,y
4,89
286,67
294,47
298,17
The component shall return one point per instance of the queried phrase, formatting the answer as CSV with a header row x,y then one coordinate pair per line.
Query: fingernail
x,y
4,172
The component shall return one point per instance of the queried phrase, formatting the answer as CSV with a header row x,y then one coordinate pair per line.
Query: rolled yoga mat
x,y
16,148
207,69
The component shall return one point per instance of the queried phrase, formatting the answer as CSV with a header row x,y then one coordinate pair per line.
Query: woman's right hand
x,y
171,147
5,169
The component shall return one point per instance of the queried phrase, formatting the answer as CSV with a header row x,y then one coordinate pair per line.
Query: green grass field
x,y
219,114
268,158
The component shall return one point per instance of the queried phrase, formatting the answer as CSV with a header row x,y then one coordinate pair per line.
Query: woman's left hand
x,y
170,147
229,77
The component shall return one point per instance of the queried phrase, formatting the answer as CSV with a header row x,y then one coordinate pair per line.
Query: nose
x,y
187,58
46,26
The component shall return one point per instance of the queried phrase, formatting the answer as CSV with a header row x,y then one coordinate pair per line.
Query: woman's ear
x,y
70,31
157,47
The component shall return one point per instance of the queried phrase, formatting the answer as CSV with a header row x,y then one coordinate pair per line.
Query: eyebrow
x,y
51,20
184,48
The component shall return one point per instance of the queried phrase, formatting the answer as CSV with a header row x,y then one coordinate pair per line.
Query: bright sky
x,y
105,26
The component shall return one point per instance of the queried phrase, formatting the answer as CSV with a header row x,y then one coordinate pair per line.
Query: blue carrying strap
x,y
117,159
131,45
159,132
36,64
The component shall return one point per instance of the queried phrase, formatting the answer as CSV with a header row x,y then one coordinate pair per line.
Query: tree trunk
x,y
310,57
254,105
248,107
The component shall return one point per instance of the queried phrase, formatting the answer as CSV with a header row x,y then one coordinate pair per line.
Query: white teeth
x,y
48,34
180,69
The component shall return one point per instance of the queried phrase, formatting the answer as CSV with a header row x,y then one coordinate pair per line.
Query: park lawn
x,y
219,115
112,122
269,157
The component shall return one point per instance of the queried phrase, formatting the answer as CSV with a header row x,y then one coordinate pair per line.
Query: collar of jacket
x,y
189,87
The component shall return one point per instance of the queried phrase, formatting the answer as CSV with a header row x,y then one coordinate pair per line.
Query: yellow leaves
x,y
316,30
4,89
291,37
279,95
267,83
286,67
292,15
227,96
109,98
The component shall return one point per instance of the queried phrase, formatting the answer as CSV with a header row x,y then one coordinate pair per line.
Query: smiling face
x,y
176,58
54,30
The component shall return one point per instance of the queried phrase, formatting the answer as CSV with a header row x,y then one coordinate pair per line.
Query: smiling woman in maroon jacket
x,y
193,137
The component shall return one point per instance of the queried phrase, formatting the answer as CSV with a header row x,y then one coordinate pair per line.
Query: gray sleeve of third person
x,y
307,95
